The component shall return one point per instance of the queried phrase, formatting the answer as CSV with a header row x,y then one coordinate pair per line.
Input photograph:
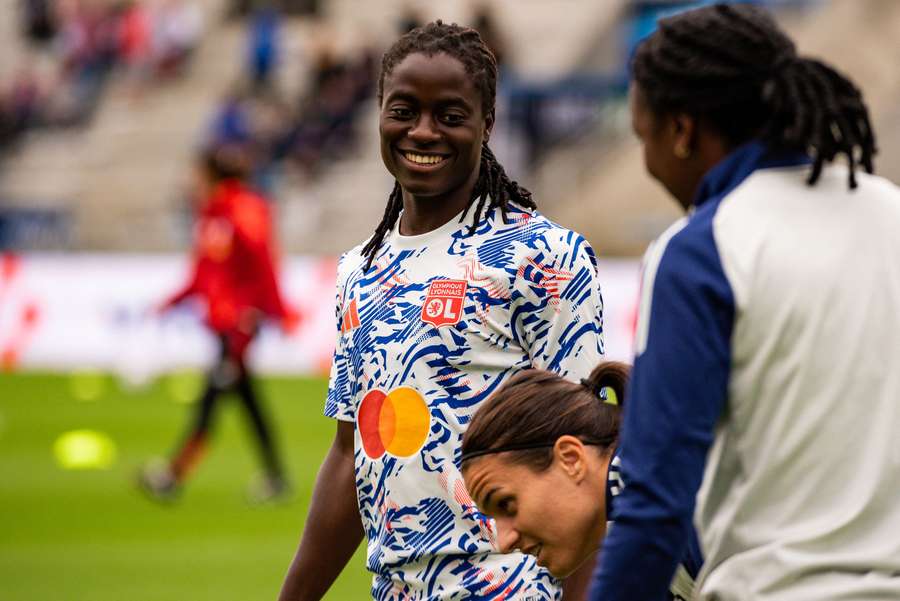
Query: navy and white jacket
x,y
682,585
768,355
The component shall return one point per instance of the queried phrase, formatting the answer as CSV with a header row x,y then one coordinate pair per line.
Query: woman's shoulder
x,y
536,231
350,261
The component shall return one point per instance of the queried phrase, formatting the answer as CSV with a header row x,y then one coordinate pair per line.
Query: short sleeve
x,y
341,403
557,307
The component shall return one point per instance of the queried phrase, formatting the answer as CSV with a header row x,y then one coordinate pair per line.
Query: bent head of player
x,y
536,458
437,91
711,79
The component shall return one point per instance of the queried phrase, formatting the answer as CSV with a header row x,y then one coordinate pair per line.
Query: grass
x,y
88,535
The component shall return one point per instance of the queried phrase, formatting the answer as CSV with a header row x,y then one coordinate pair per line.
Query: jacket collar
x,y
728,173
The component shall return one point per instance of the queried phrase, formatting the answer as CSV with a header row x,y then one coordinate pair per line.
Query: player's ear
x,y
488,125
684,133
569,455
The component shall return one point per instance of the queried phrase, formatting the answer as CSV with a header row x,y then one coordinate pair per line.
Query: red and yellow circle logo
x,y
397,422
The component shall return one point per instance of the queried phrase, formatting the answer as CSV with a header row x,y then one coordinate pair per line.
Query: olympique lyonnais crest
x,y
443,304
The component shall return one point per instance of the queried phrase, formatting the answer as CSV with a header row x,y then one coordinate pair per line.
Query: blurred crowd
x,y
73,46
297,131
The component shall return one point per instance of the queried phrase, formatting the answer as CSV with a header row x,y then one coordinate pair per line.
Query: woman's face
x,y
432,127
558,515
661,137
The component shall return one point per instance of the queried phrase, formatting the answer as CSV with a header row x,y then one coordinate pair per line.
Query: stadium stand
x,y
118,183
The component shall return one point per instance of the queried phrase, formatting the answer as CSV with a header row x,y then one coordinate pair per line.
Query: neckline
x,y
398,240
737,165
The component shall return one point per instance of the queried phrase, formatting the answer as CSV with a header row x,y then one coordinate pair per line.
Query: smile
x,y
423,160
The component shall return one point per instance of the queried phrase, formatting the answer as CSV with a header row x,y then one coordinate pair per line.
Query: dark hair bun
x,y
609,381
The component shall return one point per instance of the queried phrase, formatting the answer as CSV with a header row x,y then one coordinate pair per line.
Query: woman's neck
x,y
425,214
419,218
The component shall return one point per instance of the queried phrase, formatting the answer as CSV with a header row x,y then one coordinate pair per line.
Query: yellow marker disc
x,y
84,450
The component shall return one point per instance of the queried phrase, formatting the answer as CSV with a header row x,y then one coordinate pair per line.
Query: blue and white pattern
x,y
531,300
614,484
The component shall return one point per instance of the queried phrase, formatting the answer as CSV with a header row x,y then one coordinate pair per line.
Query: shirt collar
x,y
728,173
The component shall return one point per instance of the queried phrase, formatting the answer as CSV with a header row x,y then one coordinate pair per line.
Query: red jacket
x,y
234,262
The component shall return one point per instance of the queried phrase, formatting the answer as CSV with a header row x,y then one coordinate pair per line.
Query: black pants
x,y
230,374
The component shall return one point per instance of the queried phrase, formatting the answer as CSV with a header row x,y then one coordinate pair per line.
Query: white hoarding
x,y
95,312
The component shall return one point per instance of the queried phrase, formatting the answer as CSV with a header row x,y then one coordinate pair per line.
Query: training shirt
x,y
768,348
441,321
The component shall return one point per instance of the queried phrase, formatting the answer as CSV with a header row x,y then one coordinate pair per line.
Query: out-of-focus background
x,y
104,105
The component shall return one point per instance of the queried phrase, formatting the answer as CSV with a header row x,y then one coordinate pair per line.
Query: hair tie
x,y
607,394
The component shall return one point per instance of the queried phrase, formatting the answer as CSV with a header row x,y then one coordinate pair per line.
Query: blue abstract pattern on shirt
x,y
437,324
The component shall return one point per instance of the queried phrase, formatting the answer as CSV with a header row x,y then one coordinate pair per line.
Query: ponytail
x,y
815,108
526,416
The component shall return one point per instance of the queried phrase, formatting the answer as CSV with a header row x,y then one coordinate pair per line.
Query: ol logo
x,y
443,304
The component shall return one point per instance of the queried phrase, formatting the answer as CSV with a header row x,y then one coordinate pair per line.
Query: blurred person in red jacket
x,y
234,277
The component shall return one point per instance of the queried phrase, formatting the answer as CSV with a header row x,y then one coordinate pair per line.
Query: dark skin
x,y
333,527
679,149
432,127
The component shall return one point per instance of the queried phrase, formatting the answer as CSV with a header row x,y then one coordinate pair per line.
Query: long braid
x,y
493,188
732,66
391,212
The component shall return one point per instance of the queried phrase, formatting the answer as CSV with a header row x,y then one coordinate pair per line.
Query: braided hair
x,y
493,189
732,66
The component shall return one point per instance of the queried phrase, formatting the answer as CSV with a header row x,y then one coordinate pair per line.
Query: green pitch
x,y
89,535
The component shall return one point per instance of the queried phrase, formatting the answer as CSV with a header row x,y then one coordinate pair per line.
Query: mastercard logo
x,y
397,422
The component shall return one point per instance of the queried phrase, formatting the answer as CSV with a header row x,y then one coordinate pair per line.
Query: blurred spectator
x,y
38,20
271,117
329,111
264,46
231,124
241,8
256,122
322,122
87,40
24,99
7,128
177,32
486,25
88,47
136,44
22,104
409,20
